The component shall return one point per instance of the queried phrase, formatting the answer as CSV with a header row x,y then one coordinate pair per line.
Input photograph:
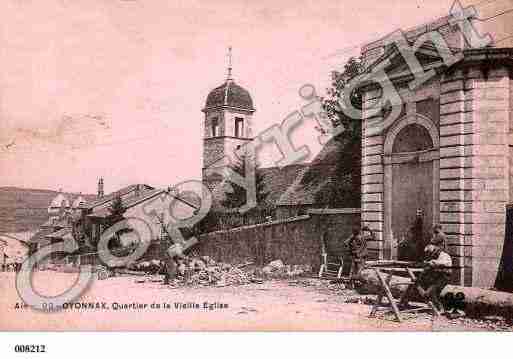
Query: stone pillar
x,y
474,170
373,179
455,169
490,171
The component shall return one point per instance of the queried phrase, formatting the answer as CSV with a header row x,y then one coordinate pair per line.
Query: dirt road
x,y
120,303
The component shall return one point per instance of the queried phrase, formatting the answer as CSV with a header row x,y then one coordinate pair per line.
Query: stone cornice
x,y
489,57
235,109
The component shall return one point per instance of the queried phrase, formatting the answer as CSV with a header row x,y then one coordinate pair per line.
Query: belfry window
x,y
215,127
239,127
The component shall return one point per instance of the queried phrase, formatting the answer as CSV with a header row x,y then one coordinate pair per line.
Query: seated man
x,y
439,238
433,280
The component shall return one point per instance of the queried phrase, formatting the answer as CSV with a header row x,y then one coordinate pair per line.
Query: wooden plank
x,y
415,310
398,269
392,263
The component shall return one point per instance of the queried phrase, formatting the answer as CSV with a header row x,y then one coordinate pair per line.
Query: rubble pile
x,y
150,267
278,270
199,271
205,271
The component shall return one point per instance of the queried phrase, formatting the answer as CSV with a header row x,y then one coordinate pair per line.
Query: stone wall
x,y
294,241
283,212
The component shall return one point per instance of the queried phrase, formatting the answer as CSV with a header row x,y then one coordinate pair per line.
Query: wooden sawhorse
x,y
387,292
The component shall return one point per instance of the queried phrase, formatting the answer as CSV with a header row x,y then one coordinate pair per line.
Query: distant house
x,y
62,210
12,249
136,201
56,229
144,208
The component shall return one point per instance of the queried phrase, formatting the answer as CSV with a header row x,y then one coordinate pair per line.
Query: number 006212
x,y
29,348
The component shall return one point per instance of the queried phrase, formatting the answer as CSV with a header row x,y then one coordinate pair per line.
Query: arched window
x,y
412,138
215,127
239,127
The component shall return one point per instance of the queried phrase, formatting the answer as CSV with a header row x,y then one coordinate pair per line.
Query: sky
x,y
115,88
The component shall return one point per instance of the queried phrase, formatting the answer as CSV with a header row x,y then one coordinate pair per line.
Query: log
x,y
478,302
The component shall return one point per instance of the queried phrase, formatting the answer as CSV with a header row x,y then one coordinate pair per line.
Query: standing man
x,y
357,244
411,246
174,254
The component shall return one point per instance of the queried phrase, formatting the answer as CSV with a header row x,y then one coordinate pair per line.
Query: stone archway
x,y
411,180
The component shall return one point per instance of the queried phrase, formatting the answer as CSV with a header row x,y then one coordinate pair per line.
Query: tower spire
x,y
229,76
100,188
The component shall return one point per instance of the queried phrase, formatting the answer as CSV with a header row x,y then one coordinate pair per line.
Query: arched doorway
x,y
411,186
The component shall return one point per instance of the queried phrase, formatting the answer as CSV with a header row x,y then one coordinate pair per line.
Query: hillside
x,y
23,209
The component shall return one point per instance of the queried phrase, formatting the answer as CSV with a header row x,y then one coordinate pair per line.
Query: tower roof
x,y
230,94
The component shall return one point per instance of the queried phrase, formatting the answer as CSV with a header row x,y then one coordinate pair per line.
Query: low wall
x,y
294,240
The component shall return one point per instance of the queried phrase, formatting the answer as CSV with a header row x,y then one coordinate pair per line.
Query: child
x,y
357,244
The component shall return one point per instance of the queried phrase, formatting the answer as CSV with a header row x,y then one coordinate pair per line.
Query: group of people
x,y
437,264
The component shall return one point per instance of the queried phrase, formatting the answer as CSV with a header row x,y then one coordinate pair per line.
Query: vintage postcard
x,y
256,166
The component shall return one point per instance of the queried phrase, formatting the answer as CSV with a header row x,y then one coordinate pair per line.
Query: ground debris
x,y
200,271
204,271
278,270
361,300
495,323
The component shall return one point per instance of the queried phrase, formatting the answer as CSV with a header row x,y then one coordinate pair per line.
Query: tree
x,y
346,190
238,196
116,209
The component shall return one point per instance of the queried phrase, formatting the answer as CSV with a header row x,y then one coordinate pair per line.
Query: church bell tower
x,y
227,123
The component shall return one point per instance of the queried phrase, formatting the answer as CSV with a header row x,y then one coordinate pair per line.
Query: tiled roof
x,y
304,183
128,202
41,234
13,248
278,180
64,234
316,183
305,188
229,94
110,197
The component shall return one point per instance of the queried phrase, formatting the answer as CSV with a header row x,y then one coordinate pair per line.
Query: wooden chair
x,y
331,266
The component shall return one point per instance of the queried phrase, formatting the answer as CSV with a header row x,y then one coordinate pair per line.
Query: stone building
x,y
447,155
